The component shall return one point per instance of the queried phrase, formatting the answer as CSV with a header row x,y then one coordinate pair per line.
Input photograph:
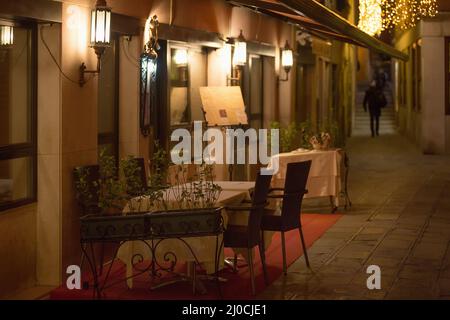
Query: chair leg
x,y
102,258
252,273
194,278
304,247
283,249
235,263
262,253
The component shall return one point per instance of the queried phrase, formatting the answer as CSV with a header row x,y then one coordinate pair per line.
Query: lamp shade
x,y
287,57
240,51
101,25
6,35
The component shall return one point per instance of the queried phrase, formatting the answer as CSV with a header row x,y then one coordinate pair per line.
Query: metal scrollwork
x,y
152,230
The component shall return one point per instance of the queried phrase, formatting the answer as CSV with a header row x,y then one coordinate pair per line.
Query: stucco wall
x,y
428,128
17,249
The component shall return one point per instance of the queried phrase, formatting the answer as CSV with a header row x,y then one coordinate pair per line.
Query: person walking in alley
x,y
375,100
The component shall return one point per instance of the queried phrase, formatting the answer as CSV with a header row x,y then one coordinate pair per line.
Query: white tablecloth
x,y
325,175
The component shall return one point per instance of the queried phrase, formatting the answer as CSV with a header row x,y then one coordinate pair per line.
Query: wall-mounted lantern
x,y
240,51
100,36
151,37
239,58
287,60
149,68
6,36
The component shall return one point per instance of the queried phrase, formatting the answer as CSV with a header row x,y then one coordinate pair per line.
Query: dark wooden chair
x,y
249,236
292,197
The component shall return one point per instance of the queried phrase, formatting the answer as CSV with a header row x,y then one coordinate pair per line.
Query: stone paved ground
x,y
400,221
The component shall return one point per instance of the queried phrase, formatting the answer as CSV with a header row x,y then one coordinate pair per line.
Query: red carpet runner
x,y
238,285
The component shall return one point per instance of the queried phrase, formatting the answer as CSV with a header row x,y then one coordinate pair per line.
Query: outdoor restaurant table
x,y
236,185
204,247
325,174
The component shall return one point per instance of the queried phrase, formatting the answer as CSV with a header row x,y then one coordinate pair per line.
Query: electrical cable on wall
x,y
41,31
126,51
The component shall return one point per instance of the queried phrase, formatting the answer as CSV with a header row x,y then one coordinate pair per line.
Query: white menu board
x,y
223,106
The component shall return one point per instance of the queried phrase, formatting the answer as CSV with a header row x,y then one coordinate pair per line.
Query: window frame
x,y
246,85
447,76
413,55
114,137
28,149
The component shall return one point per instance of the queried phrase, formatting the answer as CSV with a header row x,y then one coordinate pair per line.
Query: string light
x,y
379,15
428,8
370,17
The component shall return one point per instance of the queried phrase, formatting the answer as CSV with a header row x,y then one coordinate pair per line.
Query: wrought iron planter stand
x,y
151,229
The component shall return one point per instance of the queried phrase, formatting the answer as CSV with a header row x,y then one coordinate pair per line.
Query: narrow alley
x,y
400,221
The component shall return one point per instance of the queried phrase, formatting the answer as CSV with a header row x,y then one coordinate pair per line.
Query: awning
x,y
321,21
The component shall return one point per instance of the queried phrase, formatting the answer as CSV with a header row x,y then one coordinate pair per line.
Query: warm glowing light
x,y
147,30
101,25
6,36
428,8
181,57
151,45
287,57
405,14
370,16
240,51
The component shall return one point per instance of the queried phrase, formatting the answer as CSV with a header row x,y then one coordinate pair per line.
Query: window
x,y
253,91
419,76
108,102
187,70
402,84
416,56
414,77
18,179
447,76
188,73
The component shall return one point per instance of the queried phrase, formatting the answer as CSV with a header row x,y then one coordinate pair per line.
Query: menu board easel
x,y
224,107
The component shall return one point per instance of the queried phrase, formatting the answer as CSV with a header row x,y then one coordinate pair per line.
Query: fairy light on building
x,y
370,17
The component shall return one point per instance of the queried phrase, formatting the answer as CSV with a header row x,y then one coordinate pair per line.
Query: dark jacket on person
x,y
375,99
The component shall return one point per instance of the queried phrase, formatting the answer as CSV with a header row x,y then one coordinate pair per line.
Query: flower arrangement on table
x,y
307,136
321,141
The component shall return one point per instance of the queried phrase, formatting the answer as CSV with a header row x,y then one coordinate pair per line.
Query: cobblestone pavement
x,y
400,221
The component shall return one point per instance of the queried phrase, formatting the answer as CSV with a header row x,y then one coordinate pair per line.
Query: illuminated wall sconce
x,y
6,36
287,60
100,36
240,51
239,58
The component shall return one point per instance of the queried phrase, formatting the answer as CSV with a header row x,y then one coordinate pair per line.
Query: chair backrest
x,y
259,202
294,190
86,181
137,184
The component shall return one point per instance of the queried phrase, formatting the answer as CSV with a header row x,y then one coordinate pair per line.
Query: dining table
x,y
325,174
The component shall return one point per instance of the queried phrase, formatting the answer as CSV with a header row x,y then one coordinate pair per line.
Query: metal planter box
x,y
184,223
113,227
155,225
